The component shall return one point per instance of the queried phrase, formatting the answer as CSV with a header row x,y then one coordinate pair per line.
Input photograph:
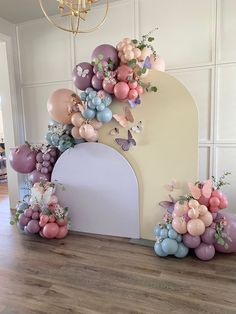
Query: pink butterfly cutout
x,y
124,119
197,192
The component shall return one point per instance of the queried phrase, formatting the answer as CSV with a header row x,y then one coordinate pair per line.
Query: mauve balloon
x,y
23,159
82,75
208,236
37,176
205,252
96,83
190,241
108,52
230,229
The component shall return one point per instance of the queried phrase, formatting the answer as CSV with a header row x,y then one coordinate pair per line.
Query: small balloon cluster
x,y
196,217
169,242
43,215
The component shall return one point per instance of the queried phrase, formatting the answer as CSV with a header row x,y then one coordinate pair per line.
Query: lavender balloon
x,y
205,252
82,75
33,226
190,241
96,83
230,230
23,220
108,52
208,236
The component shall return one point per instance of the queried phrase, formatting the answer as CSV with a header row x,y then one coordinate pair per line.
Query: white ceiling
x,y
18,11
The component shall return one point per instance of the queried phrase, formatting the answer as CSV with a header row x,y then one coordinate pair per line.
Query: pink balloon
x,y
224,202
86,131
180,209
43,220
62,233
108,85
37,176
124,72
214,201
23,159
59,105
193,213
195,227
121,90
93,138
139,89
133,94
53,199
50,230
75,133
62,222
77,119
179,225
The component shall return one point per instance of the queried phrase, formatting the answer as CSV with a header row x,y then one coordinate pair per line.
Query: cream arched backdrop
x,y
166,149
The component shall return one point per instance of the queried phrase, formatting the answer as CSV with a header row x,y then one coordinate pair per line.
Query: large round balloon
x,y
23,159
108,52
82,75
37,176
230,230
59,105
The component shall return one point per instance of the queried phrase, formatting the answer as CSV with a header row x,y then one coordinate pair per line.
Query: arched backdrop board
x,y
166,149
100,189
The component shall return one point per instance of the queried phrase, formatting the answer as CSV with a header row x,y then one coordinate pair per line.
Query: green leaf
x,y
154,89
220,241
134,41
12,222
139,73
150,39
100,67
132,63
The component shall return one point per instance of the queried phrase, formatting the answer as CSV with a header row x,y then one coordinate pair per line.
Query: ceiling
x,y
19,11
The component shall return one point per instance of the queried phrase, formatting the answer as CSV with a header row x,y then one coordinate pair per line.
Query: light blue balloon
x,y
88,90
172,234
48,136
88,113
100,107
83,96
65,138
163,233
96,101
179,238
158,250
182,251
169,226
169,246
105,115
91,105
79,141
92,94
157,230
22,206
107,100
55,139
64,145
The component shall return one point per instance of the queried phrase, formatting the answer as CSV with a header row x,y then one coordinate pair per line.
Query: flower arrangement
x,y
195,221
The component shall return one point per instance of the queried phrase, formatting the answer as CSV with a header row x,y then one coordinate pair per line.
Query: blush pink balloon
x,y
214,201
50,230
121,90
158,63
62,233
133,94
59,104
195,227
124,72
139,89
86,131
202,209
93,138
193,213
207,219
180,209
96,124
193,203
179,225
223,202
75,133
77,119
43,220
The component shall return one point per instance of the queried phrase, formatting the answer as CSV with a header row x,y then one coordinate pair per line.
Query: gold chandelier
x,y
76,11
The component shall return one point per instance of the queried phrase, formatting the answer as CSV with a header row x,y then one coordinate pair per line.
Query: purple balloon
x,y
100,75
205,252
35,215
37,176
46,163
39,157
190,241
208,236
46,156
82,75
230,230
108,52
23,159
33,226
23,220
96,83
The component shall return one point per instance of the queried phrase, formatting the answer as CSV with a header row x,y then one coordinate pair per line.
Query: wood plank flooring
x,y
95,274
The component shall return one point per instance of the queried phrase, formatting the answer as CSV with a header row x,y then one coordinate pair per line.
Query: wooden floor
x,y
87,274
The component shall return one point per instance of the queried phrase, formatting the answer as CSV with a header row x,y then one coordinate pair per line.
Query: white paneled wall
x,y
197,40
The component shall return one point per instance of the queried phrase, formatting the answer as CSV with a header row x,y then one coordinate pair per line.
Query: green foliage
x,y
221,181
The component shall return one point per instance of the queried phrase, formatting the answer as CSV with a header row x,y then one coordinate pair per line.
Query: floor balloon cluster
x,y
43,214
195,221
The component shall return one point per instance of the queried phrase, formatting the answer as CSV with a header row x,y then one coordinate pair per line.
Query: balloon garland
x,y
195,221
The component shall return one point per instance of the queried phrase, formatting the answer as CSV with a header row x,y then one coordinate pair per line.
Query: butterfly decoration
x,y
126,144
137,128
114,131
41,196
81,72
168,205
76,104
146,63
124,119
134,103
173,185
200,190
